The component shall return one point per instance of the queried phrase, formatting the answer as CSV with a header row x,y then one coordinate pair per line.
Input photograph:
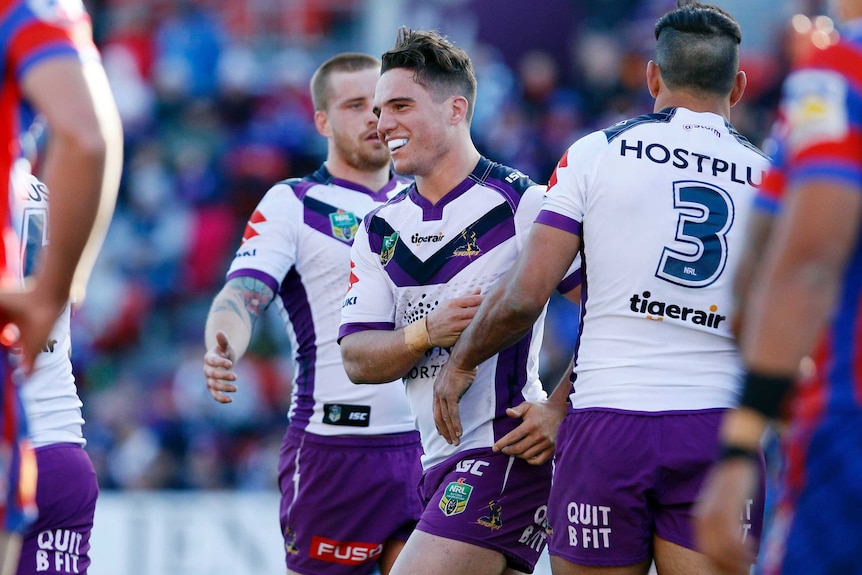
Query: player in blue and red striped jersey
x,y
806,301
50,67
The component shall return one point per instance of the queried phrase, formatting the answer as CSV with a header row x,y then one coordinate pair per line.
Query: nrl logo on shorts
x,y
455,498
344,225
388,249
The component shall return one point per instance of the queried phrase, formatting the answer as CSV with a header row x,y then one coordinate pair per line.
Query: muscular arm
x,y
508,312
82,167
793,299
82,170
516,301
229,328
379,356
790,304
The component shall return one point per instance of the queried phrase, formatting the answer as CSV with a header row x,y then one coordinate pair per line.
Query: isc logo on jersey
x,y
347,553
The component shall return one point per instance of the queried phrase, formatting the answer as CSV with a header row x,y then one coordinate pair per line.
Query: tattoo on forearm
x,y
255,294
247,297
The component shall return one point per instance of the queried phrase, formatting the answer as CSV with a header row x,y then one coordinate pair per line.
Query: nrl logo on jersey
x,y
334,413
344,225
388,249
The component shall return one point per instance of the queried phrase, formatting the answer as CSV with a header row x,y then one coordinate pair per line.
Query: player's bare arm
x,y
790,301
508,312
379,356
229,327
82,169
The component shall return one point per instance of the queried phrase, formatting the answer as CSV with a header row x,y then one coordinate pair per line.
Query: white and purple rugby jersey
x,y
661,203
410,256
49,394
298,241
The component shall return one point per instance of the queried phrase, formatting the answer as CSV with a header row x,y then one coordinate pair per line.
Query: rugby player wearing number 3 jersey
x,y
657,206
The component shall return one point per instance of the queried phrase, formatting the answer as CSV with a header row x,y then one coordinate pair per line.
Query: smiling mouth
x,y
396,143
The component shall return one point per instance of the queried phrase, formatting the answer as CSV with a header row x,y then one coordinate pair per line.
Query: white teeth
x,y
396,143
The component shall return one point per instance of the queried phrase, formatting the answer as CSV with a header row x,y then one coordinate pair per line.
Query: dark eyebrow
x,y
391,101
403,99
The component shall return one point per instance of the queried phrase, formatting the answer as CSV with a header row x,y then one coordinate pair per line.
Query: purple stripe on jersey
x,y
506,190
295,300
570,282
559,221
301,189
432,212
317,221
270,281
356,327
510,378
494,237
585,277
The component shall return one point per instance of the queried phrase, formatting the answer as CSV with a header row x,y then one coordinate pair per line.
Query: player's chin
x,y
401,165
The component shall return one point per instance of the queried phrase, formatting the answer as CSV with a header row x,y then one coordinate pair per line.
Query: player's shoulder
x,y
63,24
616,130
501,177
755,151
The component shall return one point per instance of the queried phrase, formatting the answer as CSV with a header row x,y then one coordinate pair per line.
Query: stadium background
x,y
214,99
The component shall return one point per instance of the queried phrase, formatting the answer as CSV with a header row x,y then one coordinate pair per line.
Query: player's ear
x,y
458,109
321,122
739,84
653,76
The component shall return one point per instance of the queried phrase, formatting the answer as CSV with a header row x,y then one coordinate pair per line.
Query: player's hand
x,y
717,516
446,323
449,386
535,439
27,320
218,369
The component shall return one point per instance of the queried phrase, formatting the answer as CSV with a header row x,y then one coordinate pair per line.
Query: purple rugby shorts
x,y
59,541
490,500
343,497
622,477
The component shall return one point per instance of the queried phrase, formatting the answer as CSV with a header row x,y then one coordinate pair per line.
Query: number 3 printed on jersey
x,y
705,217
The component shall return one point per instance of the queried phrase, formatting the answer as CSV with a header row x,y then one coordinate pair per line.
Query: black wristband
x,y
727,452
765,393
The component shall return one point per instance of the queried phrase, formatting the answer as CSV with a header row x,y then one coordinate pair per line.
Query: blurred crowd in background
x,y
215,104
